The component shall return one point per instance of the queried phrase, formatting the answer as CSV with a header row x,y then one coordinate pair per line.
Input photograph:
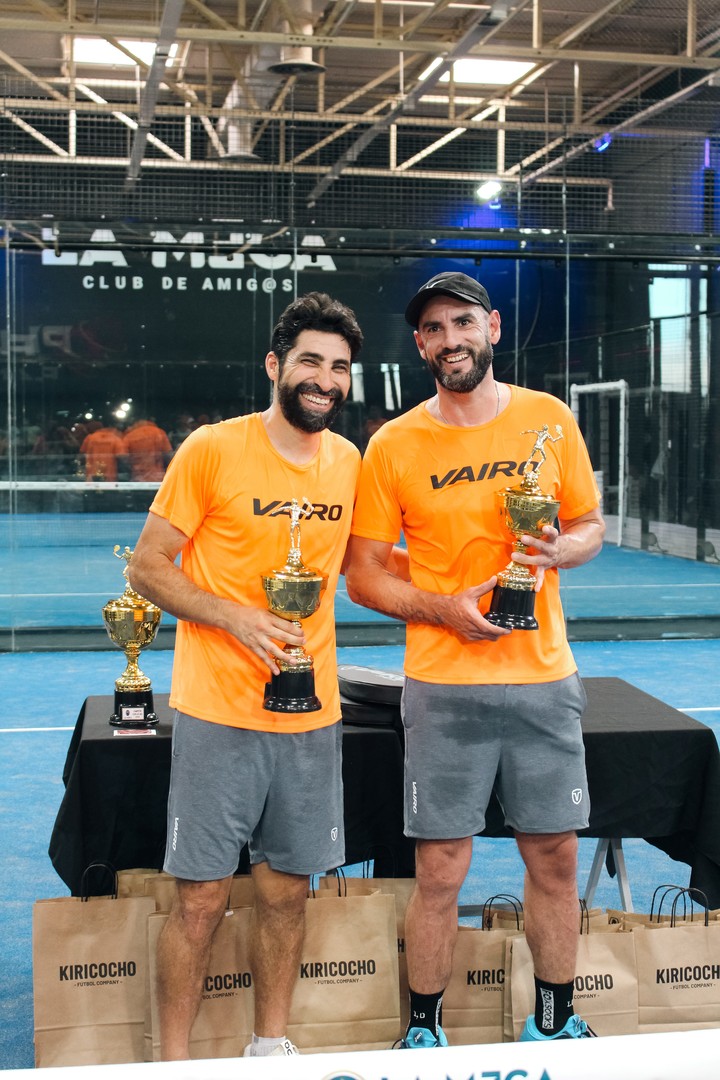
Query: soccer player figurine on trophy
x,y
131,622
293,592
526,511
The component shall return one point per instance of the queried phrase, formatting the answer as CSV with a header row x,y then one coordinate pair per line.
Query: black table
x,y
653,772
116,787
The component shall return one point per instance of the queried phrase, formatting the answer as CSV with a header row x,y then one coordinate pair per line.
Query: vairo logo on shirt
x,y
321,511
468,474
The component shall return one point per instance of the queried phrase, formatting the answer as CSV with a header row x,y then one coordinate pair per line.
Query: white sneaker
x,y
283,1049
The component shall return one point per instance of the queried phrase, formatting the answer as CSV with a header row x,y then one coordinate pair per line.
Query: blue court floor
x,y
43,692
47,581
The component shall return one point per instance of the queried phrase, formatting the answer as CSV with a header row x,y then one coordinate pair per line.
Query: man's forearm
x,y
581,543
165,584
390,595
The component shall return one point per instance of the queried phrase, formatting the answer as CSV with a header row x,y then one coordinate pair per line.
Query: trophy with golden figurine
x,y
131,622
526,510
293,592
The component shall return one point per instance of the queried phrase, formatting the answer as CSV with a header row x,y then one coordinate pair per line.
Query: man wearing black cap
x,y
484,707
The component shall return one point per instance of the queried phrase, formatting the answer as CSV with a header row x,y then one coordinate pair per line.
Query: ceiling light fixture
x,y
103,53
489,190
603,142
478,72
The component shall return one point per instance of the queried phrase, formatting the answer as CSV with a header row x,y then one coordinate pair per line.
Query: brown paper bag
x,y
132,882
224,1024
346,996
606,983
89,978
505,916
508,1029
400,888
162,888
474,1000
669,903
678,976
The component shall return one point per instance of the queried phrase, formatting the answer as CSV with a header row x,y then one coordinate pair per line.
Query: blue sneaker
x,y
574,1029
420,1038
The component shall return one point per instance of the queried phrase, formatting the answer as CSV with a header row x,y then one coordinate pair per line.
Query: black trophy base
x,y
134,709
512,608
292,691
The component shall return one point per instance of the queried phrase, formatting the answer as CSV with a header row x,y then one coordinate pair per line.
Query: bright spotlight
x,y
489,190
603,142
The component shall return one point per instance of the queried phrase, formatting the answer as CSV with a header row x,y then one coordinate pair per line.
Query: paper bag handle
x,y
108,868
514,902
369,858
691,893
665,889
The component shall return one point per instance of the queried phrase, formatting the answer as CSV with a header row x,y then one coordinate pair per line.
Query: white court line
x,y
48,595
343,592
12,730
657,585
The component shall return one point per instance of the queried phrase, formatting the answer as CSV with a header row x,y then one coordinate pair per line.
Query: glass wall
x,y
112,352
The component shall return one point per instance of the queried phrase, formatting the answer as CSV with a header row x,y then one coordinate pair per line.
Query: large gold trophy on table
x,y
526,510
293,592
131,622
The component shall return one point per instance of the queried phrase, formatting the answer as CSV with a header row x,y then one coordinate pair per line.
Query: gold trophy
x,y
293,593
132,622
525,510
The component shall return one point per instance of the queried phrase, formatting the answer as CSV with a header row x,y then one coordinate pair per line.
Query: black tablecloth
x,y
652,771
116,790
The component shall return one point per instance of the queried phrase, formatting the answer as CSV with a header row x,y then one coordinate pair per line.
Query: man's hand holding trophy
x,y
293,592
526,510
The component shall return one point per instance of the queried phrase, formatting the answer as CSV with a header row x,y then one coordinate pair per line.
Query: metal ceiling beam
x,y
148,101
29,129
442,175
514,90
460,48
440,47
639,117
100,107
625,94
128,122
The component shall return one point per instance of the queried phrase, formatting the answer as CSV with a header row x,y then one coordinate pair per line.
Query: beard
x,y
297,414
463,382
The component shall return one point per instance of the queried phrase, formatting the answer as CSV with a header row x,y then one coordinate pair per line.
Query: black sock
x,y
426,1010
553,1006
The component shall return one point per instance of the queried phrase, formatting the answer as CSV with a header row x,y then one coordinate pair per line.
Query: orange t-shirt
x,y
220,490
102,449
438,485
147,447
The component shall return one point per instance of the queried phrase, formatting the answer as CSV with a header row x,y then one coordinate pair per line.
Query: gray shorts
x,y
525,741
280,793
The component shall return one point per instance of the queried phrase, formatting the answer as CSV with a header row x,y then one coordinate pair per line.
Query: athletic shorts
x,y
280,793
524,741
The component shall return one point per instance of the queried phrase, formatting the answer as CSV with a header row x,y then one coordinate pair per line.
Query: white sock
x,y
262,1046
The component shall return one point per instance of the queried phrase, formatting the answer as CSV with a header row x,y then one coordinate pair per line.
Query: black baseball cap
x,y
450,283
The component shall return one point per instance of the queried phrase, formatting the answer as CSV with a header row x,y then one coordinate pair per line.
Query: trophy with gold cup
x,y
293,592
131,622
525,510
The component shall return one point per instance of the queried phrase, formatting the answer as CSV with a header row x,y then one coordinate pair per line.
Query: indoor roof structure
x,y
363,113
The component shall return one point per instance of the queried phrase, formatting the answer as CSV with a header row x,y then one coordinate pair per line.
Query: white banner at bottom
x,y
670,1056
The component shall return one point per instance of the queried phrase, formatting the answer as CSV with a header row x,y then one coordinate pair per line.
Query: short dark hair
x,y
315,311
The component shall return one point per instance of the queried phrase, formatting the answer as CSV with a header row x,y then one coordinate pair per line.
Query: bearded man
x,y
240,773
485,707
